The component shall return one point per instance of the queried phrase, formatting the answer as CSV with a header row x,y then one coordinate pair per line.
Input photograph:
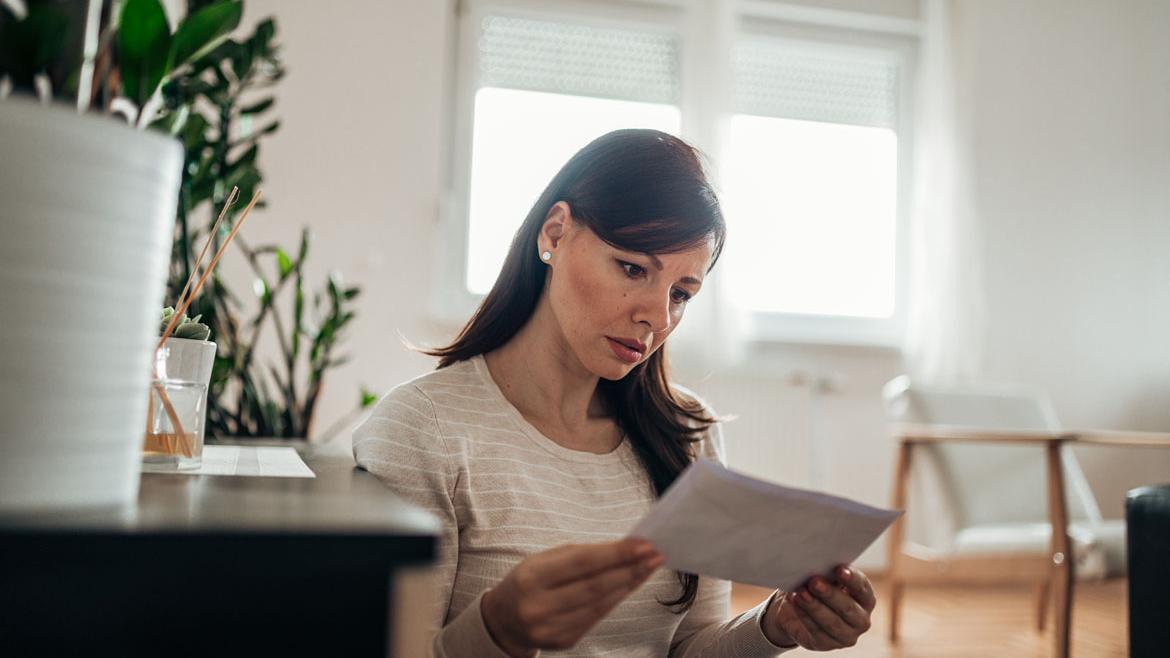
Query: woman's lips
x,y
624,353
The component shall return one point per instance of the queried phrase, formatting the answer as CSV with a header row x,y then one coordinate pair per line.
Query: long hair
x,y
638,190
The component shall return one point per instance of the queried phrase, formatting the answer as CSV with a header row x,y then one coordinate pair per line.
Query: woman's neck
x,y
539,374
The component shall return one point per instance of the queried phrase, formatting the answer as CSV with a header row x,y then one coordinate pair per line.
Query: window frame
x,y
690,22
454,302
894,41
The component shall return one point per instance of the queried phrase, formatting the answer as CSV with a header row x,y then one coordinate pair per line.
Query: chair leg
x,y
1062,557
897,535
1043,592
1062,613
895,605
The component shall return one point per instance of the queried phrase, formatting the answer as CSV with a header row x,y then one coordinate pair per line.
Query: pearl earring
x,y
546,256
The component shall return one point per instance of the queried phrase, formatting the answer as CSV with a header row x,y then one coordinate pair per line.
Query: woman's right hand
x,y
552,598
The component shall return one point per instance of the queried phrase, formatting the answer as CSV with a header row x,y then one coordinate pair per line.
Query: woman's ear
x,y
556,225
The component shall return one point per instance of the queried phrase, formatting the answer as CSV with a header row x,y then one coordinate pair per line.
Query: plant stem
x,y
184,240
93,21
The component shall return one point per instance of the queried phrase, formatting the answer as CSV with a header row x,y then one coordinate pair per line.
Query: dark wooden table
x,y
216,566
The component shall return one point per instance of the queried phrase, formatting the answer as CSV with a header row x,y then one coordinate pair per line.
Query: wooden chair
x,y
995,478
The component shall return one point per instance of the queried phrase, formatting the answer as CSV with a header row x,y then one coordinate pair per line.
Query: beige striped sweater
x,y
449,441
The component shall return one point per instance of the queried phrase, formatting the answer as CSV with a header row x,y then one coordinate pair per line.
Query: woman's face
x,y
615,307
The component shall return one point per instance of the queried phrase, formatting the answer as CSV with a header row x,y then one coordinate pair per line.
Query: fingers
x,y
573,562
561,616
858,585
841,602
828,618
592,610
801,627
619,580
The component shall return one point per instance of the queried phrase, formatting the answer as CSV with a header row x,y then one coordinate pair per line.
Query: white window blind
x,y
811,181
775,78
544,89
578,59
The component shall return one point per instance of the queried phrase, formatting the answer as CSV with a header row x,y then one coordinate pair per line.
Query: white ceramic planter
x,y
87,208
186,360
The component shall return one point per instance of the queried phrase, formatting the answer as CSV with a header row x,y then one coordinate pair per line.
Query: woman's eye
x,y
633,271
680,296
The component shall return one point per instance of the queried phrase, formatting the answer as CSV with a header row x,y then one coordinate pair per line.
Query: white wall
x,y
1072,159
1072,156
358,159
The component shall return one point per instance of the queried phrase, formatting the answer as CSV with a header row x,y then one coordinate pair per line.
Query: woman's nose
x,y
654,311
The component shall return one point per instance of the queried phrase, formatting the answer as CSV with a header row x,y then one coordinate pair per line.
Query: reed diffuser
x,y
174,438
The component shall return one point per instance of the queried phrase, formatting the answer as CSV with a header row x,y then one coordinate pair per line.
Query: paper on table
x,y
266,461
720,523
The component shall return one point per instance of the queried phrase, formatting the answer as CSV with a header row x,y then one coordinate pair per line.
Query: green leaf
x,y
244,178
221,369
367,398
192,331
304,250
247,158
33,45
263,36
260,287
202,31
194,130
258,107
173,122
333,287
266,130
284,263
144,43
298,313
241,62
323,339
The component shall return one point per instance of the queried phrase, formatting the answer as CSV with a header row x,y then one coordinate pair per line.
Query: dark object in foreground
x,y
214,566
1147,516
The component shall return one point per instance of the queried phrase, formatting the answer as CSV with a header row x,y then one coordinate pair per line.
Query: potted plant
x,y
187,354
221,108
88,210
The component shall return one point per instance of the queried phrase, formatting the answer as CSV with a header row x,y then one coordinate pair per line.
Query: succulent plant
x,y
187,328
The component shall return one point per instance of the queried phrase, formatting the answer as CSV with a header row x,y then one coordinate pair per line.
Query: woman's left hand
x,y
823,615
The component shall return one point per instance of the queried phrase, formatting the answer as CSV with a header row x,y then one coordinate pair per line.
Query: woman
x,y
550,427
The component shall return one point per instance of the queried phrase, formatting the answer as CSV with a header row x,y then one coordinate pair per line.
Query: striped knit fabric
x,y
450,442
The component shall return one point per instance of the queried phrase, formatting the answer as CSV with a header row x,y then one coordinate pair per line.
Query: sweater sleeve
x,y
706,629
401,443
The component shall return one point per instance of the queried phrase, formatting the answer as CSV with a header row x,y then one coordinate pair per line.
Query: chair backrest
x,y
989,483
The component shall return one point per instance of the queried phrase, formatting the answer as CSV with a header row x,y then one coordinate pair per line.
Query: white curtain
x,y
944,340
713,334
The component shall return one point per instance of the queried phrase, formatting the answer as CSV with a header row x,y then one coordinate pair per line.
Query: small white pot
x,y
186,359
87,208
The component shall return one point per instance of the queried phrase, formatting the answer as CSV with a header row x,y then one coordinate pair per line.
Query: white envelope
x,y
716,522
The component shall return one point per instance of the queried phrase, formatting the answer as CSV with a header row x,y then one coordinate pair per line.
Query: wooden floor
x,y
985,621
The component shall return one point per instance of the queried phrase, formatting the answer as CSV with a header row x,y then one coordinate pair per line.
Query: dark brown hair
x,y
638,190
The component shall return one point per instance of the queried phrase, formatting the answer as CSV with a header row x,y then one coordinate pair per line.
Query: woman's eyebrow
x,y
686,279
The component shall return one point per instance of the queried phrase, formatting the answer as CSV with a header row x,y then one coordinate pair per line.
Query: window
x,y
536,133
812,165
544,89
810,173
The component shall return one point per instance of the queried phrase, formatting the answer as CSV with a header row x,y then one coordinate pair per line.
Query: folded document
x,y
716,522
261,461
